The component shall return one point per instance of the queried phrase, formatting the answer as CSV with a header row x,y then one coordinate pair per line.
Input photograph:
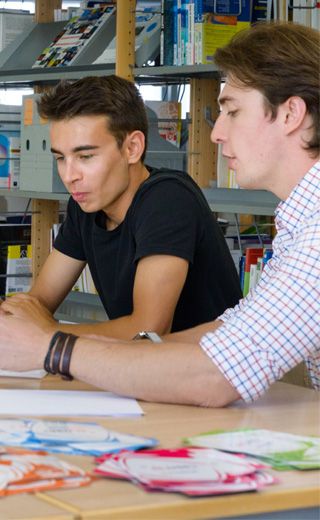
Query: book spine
x,y
175,32
253,276
252,255
241,271
184,31
162,32
190,50
168,32
180,45
18,263
198,42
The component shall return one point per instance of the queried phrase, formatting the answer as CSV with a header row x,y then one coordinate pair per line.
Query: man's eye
x,y
232,113
86,156
59,158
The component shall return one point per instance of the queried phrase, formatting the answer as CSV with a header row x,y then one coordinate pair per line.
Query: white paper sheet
x,y
30,374
65,403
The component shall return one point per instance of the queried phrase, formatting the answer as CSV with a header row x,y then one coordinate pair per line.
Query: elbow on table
x,y
215,392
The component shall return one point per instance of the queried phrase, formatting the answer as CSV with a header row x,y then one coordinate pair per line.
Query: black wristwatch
x,y
152,336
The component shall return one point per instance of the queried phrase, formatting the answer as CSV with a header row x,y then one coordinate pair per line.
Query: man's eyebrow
x,y
77,149
224,99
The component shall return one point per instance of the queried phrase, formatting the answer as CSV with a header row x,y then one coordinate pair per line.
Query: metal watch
x,y
152,336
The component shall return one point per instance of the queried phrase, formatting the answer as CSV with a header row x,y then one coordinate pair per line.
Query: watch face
x,y
152,336
141,335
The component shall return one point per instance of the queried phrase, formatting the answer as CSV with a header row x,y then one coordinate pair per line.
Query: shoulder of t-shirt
x,y
164,176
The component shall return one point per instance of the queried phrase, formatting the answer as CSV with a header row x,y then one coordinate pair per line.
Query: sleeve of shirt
x,y
274,328
69,241
167,221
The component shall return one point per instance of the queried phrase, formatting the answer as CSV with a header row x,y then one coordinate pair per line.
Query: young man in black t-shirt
x,y
157,256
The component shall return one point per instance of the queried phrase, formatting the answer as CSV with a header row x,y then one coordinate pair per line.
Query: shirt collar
x,y
301,201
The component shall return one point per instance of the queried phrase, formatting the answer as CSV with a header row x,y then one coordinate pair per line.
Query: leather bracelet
x,y
57,353
47,359
66,357
58,357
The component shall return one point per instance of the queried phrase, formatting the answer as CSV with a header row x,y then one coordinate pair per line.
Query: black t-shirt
x,y
168,215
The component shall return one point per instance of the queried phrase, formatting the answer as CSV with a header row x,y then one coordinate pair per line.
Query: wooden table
x,y
285,408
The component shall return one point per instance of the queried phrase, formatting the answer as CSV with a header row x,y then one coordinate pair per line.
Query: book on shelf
x,y
13,22
241,270
262,11
214,30
192,30
267,254
18,265
11,233
230,8
307,12
255,260
169,114
167,28
147,39
77,34
253,275
259,269
187,33
85,282
10,145
251,257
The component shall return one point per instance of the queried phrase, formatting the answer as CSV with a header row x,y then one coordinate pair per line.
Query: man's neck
x,y
296,170
116,213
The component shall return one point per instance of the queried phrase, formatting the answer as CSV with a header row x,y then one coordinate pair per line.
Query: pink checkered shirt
x,y
278,324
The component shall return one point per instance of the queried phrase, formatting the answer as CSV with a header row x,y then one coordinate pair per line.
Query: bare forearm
x,y
193,335
124,328
127,327
171,373
167,372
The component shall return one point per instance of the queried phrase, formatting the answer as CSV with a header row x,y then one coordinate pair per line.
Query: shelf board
x,y
174,73
47,75
254,202
141,74
81,307
33,194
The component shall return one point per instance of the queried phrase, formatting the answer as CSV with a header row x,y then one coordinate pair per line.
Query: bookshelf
x,y
204,85
81,308
226,200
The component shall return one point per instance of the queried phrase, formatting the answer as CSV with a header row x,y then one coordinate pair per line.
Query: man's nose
x,y
218,131
70,172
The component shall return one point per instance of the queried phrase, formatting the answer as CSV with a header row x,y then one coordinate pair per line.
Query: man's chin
x,y
87,208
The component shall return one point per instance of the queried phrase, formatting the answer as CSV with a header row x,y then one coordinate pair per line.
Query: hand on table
x,y
25,306
23,343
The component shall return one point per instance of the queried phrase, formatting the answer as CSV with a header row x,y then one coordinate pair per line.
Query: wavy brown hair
x,y
116,98
281,60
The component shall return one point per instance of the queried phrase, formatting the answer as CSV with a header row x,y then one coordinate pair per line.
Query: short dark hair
x,y
116,98
280,59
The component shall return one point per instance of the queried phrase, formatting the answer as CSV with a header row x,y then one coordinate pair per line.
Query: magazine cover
x,y
68,44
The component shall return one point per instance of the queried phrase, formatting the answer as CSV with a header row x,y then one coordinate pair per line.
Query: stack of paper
x,y
30,374
191,471
65,402
24,471
72,438
280,450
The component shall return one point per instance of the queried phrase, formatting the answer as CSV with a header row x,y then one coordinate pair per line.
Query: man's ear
x,y
294,113
135,144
